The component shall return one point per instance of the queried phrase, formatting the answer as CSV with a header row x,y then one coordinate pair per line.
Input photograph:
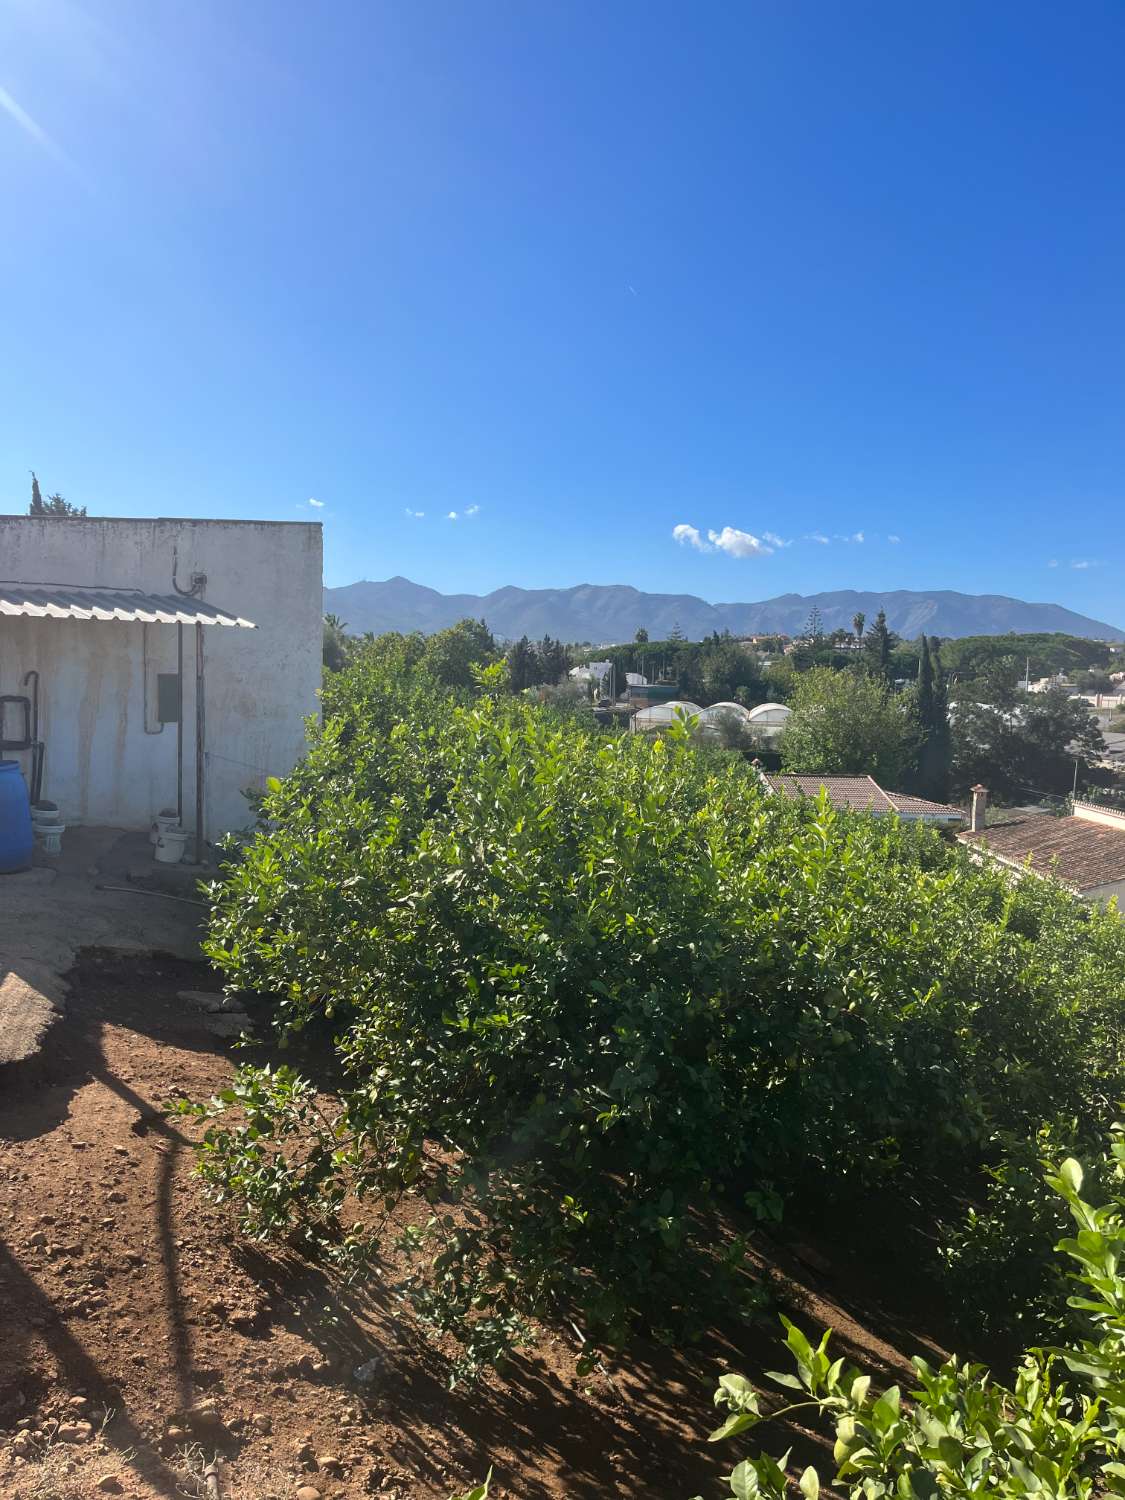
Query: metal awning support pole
x,y
200,741
180,726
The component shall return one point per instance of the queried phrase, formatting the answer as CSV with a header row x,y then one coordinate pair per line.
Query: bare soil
x,y
141,1338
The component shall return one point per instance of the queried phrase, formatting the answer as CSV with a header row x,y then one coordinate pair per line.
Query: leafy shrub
x,y
1005,1282
586,991
1059,1430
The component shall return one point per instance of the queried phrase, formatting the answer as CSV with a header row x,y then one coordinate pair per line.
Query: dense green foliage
x,y
973,658
1057,1431
1026,747
847,723
589,990
716,670
999,1264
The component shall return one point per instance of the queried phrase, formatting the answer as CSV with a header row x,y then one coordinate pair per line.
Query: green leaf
x,y
1071,1174
738,1421
809,1484
740,1388
744,1481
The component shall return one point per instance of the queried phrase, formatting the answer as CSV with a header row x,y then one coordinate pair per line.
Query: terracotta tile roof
x,y
1082,854
861,794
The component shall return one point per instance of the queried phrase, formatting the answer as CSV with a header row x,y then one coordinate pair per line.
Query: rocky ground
x,y
147,1350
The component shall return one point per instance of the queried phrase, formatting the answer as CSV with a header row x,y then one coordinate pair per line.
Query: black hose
x,y
38,749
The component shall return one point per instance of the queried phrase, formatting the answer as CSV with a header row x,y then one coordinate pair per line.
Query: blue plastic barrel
x,y
16,840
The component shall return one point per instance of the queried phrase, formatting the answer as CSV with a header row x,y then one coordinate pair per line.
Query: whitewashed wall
x,y
97,680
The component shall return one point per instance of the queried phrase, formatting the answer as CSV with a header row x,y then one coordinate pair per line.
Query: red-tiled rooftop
x,y
1077,851
860,794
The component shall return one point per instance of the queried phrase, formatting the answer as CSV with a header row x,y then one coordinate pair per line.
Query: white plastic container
x,y
50,836
170,845
165,819
44,815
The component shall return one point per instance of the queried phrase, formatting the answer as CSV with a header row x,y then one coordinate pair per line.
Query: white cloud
x,y
817,536
689,536
452,516
730,540
1053,563
316,504
774,540
1083,564
737,543
857,536
894,540
472,510
415,515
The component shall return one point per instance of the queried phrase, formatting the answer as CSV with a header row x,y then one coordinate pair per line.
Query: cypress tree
x,y
879,648
522,665
926,689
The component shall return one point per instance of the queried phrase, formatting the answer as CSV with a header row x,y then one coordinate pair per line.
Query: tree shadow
x,y
36,1099
538,1424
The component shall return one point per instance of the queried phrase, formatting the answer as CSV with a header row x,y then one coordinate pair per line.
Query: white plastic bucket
x,y
170,844
50,834
165,821
44,815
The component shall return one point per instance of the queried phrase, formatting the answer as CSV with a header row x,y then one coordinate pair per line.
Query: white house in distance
x,y
157,663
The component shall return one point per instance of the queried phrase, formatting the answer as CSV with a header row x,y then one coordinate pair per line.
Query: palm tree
x,y
858,622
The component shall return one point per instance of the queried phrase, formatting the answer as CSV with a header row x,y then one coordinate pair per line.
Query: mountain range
x,y
606,613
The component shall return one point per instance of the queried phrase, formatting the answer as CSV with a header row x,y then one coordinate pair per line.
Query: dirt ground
x,y
140,1339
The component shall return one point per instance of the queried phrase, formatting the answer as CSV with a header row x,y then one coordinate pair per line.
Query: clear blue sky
x,y
597,269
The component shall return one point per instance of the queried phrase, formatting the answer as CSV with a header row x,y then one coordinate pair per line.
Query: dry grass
x,y
241,1479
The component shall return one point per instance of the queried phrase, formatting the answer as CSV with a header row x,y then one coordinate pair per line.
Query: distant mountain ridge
x,y
604,613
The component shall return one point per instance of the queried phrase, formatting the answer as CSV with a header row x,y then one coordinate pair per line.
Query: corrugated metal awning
x,y
64,601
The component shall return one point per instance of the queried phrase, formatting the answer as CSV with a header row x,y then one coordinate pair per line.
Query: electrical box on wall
x,y
168,697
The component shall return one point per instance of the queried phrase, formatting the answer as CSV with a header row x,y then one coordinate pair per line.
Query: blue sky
x,y
590,271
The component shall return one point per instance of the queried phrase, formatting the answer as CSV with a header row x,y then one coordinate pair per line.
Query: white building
x,y
129,642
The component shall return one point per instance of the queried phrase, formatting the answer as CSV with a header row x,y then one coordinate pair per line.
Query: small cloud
x,y
689,536
630,288
817,536
774,540
857,536
1084,564
894,540
1053,563
737,543
452,516
316,504
472,510
415,515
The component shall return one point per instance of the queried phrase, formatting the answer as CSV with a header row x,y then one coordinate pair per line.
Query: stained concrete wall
x,y
107,760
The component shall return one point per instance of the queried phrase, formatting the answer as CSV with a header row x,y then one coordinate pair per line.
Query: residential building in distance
x,y
863,794
1085,852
